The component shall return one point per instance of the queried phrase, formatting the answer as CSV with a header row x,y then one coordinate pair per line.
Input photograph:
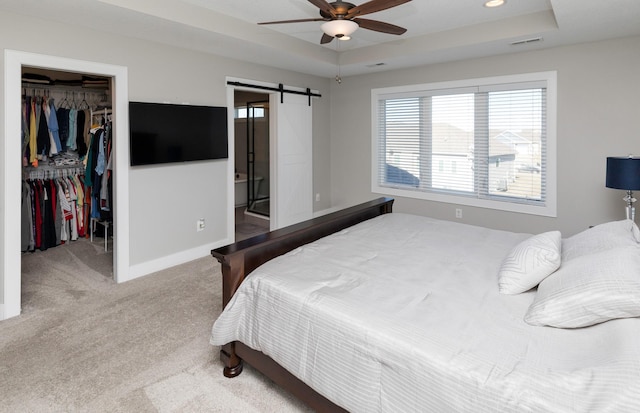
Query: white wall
x,y
598,108
166,201
598,116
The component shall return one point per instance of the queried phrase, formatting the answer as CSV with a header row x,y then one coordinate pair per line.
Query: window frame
x,y
547,208
237,111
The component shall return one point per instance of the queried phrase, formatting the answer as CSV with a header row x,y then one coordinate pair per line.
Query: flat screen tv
x,y
165,133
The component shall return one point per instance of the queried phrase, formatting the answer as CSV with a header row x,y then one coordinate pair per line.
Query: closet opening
x,y
10,212
67,213
252,164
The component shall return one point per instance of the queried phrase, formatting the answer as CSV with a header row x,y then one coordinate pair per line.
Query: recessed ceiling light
x,y
494,3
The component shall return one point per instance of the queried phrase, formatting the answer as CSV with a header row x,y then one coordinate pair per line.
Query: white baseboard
x,y
6,312
145,268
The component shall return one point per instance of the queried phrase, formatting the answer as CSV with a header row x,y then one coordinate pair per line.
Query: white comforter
x,y
402,314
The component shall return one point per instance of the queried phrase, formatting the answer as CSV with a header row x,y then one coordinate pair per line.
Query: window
x,y
242,112
481,142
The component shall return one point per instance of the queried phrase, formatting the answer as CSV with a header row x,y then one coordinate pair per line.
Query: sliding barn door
x,y
292,197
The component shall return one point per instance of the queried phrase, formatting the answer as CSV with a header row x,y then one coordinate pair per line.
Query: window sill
x,y
548,210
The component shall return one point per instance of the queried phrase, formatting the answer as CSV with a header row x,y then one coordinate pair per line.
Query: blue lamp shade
x,y
623,173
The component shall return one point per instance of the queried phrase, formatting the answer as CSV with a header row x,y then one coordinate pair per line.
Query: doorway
x,y
11,202
290,151
76,201
258,157
252,163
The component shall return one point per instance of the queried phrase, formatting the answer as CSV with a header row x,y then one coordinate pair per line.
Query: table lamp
x,y
624,173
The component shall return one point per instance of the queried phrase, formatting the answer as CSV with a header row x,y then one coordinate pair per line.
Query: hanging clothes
x,y
52,126
73,125
26,233
44,142
62,114
58,193
82,135
52,211
25,133
97,174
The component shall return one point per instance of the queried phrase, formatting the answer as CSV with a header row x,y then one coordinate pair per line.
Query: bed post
x,y
233,274
232,363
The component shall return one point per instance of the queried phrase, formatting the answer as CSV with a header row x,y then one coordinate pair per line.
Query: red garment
x,y
87,209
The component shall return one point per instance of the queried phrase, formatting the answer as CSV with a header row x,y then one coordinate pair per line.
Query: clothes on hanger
x,y
47,131
98,172
62,190
52,212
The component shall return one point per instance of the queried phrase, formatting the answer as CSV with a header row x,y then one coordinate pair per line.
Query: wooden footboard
x,y
239,259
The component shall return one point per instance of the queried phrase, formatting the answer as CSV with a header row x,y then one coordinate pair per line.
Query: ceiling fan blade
x,y
319,19
373,6
326,38
380,26
324,6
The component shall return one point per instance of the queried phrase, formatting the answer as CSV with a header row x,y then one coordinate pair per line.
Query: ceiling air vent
x,y
526,41
376,64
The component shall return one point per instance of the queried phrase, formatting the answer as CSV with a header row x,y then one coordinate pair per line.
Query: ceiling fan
x,y
343,18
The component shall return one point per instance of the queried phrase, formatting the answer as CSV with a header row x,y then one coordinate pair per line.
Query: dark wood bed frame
x,y
239,259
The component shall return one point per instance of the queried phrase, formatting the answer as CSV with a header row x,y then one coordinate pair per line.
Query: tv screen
x,y
164,133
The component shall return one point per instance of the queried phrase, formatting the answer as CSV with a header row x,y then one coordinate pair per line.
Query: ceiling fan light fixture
x,y
494,3
340,28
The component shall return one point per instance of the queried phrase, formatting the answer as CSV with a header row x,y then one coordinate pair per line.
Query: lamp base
x,y
631,210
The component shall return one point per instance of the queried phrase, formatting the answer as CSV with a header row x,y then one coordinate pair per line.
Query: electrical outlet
x,y
458,213
200,225
318,197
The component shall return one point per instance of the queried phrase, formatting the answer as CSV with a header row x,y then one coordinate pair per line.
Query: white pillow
x,y
589,290
601,237
530,262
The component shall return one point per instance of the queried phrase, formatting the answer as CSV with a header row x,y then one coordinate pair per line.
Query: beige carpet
x,y
84,343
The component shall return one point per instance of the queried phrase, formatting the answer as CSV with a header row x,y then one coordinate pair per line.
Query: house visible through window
x,y
482,142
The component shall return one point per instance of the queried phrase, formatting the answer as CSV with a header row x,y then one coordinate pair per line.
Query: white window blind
x,y
485,142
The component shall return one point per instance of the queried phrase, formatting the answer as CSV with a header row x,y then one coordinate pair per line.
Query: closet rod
x,y
280,89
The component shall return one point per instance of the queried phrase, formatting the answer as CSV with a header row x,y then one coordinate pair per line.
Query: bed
x,y
366,310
